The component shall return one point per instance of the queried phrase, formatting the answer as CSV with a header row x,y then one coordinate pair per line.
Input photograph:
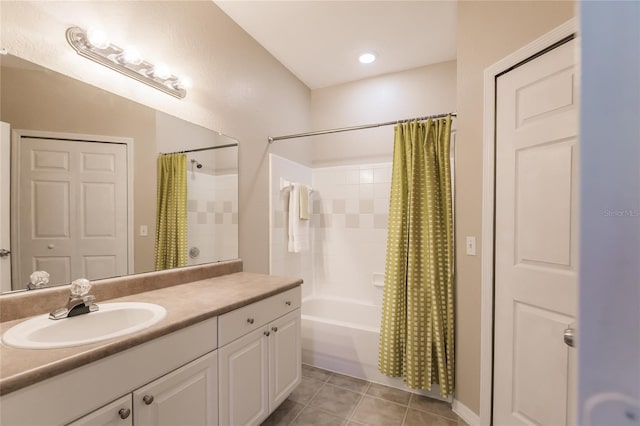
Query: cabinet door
x,y
118,413
244,393
187,396
285,364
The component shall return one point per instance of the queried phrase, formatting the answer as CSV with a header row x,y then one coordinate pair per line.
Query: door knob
x,y
4,253
148,399
124,413
569,337
51,246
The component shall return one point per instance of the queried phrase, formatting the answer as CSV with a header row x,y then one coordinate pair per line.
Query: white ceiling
x,y
320,41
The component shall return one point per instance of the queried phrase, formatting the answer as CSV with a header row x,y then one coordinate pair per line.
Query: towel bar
x,y
285,184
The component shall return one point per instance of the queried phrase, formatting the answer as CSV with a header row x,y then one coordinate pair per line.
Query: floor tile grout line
x,y
404,419
368,383
406,413
330,413
388,400
359,402
308,402
408,406
344,388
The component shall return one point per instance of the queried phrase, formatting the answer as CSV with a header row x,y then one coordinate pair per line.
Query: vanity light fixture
x,y
96,46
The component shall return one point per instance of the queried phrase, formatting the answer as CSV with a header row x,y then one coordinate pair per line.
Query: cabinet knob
x,y
267,333
124,413
148,399
250,320
288,303
274,329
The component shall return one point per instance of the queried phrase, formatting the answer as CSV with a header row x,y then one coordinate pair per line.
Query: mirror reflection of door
x,y
5,242
72,209
90,110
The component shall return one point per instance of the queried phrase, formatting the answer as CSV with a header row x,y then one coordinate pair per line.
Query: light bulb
x,y
98,38
131,55
161,71
367,58
185,82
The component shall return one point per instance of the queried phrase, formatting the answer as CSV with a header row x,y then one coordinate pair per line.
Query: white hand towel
x,y
298,229
304,202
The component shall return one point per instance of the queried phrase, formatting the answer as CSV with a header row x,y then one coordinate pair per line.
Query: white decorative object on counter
x,y
39,278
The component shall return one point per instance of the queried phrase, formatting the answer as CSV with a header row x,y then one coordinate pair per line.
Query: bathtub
x,y
342,336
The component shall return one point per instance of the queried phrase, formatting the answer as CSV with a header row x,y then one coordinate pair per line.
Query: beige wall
x,y
239,88
417,92
33,100
487,32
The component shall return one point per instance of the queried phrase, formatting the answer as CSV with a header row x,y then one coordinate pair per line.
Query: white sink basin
x,y
112,320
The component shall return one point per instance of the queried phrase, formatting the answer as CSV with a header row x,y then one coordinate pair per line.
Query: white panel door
x,y
73,209
187,396
244,374
285,362
5,186
536,249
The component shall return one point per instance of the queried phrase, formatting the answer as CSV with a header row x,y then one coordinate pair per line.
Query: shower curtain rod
x,y
348,129
199,149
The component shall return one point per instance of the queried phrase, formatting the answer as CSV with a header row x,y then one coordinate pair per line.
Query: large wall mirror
x,y
79,181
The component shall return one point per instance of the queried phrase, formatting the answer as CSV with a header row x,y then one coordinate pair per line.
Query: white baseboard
x,y
465,413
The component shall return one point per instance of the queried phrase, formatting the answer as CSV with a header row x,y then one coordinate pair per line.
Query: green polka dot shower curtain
x,y
171,212
417,330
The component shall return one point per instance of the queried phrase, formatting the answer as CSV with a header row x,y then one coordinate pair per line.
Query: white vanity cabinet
x,y
80,395
259,358
186,396
234,369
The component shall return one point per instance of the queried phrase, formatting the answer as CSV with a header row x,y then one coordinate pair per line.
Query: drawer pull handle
x,y
266,333
250,320
148,399
124,413
274,329
288,303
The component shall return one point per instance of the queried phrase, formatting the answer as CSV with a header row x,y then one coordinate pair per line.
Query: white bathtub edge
x,y
364,372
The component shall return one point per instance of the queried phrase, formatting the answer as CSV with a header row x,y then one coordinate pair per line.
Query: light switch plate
x,y
471,246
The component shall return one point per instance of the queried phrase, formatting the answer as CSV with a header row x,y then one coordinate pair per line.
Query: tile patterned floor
x,y
329,399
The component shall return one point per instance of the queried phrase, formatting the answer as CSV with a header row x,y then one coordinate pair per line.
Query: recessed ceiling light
x,y
367,58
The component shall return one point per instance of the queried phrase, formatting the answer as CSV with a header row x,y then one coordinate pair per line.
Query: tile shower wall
x,y
349,222
212,217
349,214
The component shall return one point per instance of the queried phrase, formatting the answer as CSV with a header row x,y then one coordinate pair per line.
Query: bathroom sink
x,y
111,320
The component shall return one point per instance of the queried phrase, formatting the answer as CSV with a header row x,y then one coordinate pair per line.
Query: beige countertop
x,y
186,304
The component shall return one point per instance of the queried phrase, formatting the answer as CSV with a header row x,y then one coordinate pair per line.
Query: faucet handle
x,y
80,287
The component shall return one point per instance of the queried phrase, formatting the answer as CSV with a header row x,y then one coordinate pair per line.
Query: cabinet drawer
x,y
241,321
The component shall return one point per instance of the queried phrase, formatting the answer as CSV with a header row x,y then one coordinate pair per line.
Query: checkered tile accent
x,y
350,198
212,212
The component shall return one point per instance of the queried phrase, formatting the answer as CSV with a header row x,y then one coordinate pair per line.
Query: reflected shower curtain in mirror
x,y
171,212
417,330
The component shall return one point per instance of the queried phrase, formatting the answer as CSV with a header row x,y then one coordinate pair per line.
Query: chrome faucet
x,y
80,302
